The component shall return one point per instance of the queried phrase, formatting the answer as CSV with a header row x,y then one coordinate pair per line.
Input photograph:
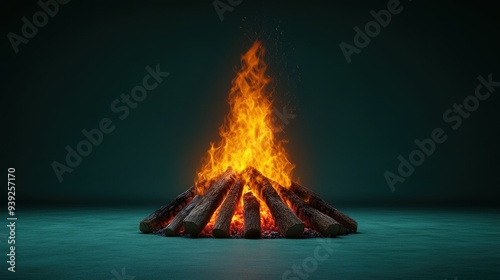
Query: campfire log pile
x,y
244,187
292,210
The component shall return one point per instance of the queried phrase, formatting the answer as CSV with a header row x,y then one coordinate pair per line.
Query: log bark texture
x,y
251,216
317,202
324,224
201,214
160,218
226,212
175,225
289,225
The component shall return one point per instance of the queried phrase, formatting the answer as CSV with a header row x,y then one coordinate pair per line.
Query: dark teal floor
x,y
89,243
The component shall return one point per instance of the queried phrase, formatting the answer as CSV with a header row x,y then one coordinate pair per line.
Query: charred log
x,y
200,215
251,215
317,202
324,224
226,212
164,214
289,225
175,225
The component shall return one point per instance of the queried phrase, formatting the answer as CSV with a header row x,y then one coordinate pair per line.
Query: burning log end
x,y
192,228
219,233
253,233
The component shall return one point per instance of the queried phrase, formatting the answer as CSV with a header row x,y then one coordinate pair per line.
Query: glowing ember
x,y
237,223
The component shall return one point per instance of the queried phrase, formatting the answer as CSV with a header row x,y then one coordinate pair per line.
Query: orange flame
x,y
247,137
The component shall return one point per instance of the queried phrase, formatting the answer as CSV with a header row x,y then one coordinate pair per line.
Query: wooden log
x,y
199,217
175,225
251,216
226,212
289,225
324,224
317,202
160,218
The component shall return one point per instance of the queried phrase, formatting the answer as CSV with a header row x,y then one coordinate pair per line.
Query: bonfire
x,y
244,186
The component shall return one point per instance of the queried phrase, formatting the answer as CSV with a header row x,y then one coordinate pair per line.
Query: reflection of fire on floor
x,y
244,188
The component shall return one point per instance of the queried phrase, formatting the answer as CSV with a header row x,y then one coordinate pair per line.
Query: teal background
x,y
352,122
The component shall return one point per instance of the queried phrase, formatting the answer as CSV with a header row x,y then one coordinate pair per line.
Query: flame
x,y
247,134
247,137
